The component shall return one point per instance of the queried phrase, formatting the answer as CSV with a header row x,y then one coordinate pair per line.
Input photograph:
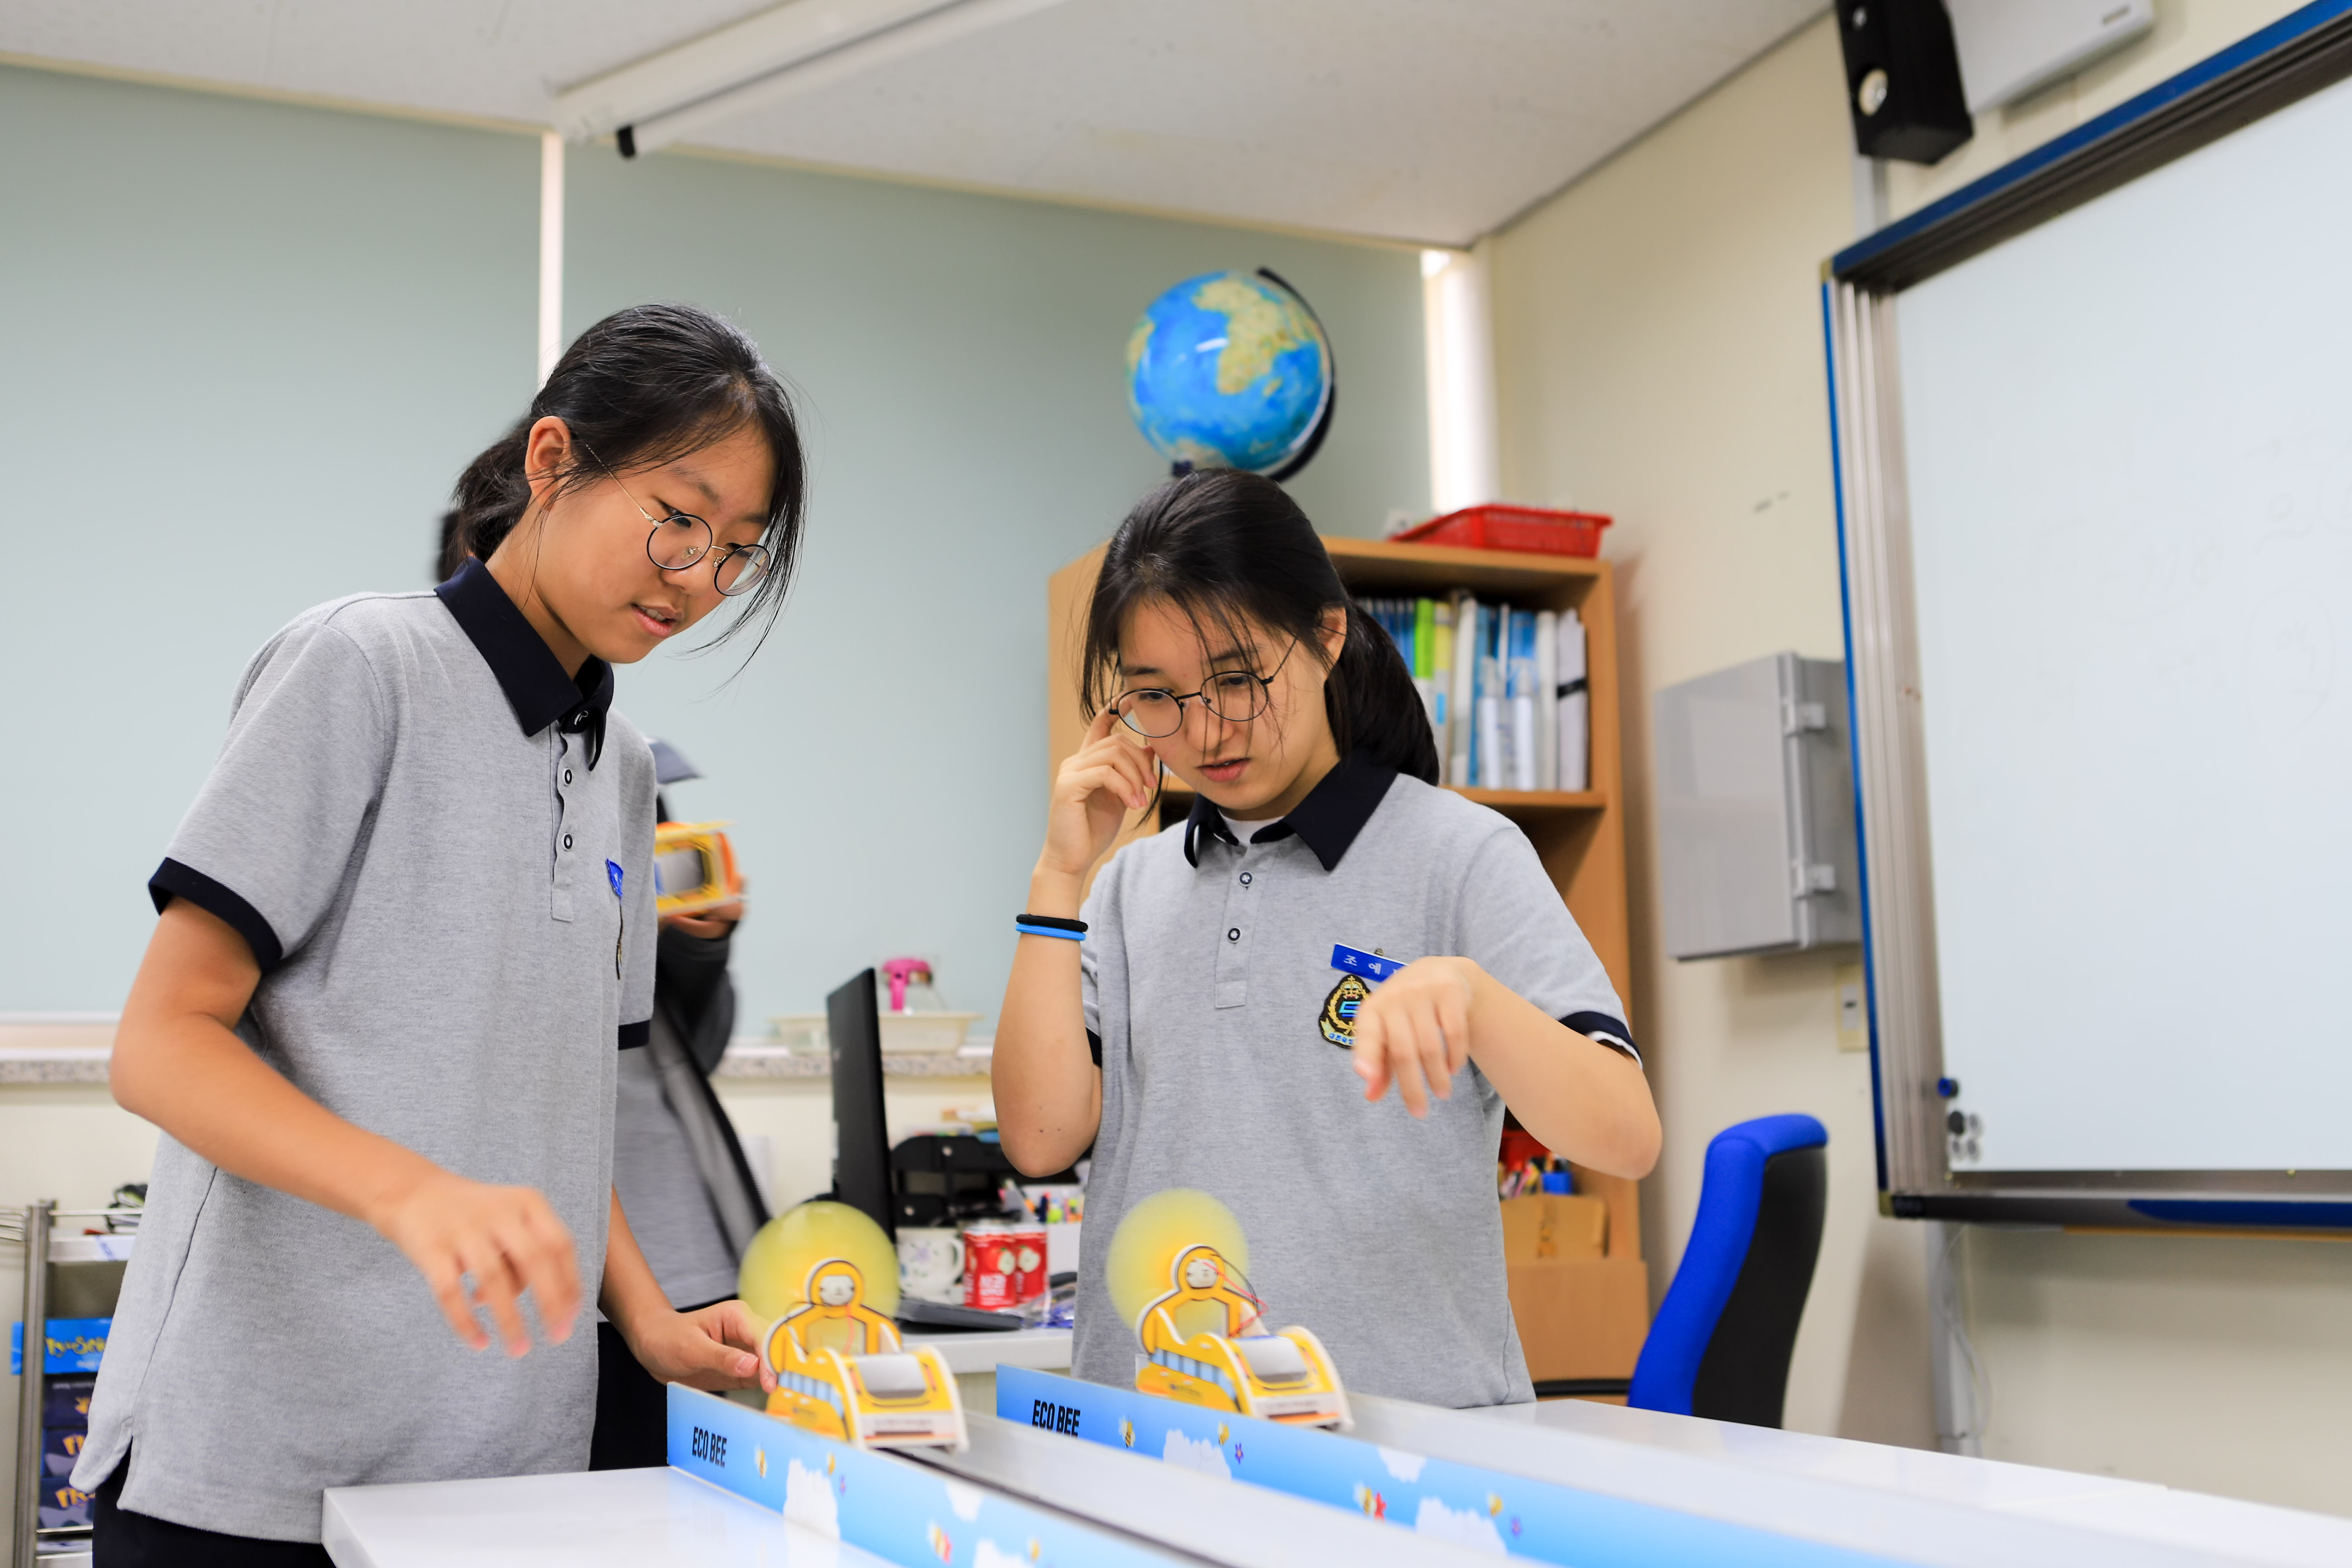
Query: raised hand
x,y
1103,780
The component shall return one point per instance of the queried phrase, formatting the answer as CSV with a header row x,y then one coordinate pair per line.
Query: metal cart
x,y
56,1286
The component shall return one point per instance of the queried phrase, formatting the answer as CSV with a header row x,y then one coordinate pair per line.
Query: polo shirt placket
x,y
1233,948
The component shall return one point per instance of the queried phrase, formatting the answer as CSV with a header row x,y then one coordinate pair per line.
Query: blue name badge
x,y
613,873
1356,961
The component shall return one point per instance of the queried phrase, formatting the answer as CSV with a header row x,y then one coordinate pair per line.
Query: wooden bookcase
x,y
1579,1319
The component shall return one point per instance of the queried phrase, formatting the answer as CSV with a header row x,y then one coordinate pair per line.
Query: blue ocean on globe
x,y
1229,371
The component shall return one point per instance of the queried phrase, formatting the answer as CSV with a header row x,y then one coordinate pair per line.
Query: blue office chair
x,y
1720,1345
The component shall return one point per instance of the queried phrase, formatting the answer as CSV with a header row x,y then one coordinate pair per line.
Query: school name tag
x,y
1355,961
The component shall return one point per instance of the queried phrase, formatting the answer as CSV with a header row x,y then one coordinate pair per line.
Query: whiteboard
x,y
2128,440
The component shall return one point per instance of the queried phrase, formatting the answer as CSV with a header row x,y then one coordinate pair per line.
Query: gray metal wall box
x,y
1755,791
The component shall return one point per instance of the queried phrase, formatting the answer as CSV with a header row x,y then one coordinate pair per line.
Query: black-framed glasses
x,y
681,539
1235,696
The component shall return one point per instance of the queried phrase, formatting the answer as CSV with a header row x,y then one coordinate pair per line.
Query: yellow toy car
x,y
693,868
1205,1342
842,1372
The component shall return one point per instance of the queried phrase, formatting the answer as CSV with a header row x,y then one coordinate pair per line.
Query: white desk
x,y
1608,1448
611,1519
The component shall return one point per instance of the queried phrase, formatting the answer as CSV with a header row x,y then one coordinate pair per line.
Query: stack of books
x,y
1505,689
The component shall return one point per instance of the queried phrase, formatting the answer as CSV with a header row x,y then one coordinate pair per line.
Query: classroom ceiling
x,y
1427,121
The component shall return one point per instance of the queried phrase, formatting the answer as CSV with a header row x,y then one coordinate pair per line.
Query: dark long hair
x,y
642,387
1232,550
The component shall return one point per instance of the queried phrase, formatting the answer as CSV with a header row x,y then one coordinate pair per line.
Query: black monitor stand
x,y
861,1154
861,1139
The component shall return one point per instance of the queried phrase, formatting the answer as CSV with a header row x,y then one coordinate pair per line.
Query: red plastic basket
x,y
1499,527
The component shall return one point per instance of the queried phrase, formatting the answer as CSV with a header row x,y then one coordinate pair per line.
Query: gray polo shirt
x,y
1209,987
438,846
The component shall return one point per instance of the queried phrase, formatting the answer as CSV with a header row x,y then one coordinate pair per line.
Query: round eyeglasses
x,y
681,539
1235,696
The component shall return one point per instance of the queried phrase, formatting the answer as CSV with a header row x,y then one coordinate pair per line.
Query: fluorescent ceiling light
x,y
777,55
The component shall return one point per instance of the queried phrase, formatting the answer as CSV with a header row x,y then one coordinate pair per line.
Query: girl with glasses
x,y
404,928
1237,996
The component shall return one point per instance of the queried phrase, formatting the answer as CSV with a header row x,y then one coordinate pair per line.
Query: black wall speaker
x,y
1903,79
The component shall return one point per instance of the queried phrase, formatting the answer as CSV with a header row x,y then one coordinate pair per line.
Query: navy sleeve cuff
x,y
636,1034
173,880
1610,1032
1093,1046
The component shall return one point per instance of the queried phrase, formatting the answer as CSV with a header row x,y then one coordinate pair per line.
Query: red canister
x,y
1004,1266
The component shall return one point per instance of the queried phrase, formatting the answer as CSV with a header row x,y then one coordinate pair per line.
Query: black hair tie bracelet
x,y
1050,925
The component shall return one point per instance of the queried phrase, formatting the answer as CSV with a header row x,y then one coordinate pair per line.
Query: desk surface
x,y
609,1518
2197,1523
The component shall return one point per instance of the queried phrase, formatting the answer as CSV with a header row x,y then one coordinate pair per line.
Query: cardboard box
x,y
1554,1224
1580,1316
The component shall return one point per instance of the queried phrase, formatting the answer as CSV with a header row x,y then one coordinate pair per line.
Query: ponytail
x,y
642,387
1376,711
1232,550
490,498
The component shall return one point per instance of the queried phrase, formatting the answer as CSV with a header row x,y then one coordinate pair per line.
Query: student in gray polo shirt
x,y
404,929
1190,1023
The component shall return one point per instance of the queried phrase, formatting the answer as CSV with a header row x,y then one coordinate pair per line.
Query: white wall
x,y
247,348
1658,340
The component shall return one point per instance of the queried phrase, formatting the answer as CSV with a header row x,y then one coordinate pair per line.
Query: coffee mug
x,y
931,1264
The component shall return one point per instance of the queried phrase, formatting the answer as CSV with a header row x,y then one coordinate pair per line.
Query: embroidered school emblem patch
x,y
1339,1008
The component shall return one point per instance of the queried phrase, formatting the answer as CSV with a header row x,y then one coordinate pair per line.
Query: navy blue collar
x,y
1328,820
527,670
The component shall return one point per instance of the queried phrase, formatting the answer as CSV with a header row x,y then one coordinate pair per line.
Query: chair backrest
x,y
1720,1345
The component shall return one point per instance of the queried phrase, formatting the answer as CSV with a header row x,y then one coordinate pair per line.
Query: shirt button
x,y
1235,934
1246,878
567,841
567,775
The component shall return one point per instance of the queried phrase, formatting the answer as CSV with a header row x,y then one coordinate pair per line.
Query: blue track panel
x,y
1539,1520
899,1510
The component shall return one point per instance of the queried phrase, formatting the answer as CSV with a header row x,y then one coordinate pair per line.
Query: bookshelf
x,y
1578,834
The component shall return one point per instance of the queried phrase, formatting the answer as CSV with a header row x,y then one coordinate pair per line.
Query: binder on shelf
x,y
1491,761
1575,706
1461,709
1521,681
1439,693
1547,700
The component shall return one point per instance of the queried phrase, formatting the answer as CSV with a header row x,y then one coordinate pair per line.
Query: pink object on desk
x,y
900,972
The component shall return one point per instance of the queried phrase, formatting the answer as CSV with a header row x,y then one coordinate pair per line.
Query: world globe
x,y
1230,370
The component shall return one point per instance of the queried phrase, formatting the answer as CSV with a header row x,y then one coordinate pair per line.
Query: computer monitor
x,y
861,1145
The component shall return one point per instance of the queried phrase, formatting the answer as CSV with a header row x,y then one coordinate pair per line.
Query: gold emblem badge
x,y
1339,1020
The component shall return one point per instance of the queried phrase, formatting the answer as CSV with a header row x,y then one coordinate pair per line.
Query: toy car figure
x,y
842,1372
693,868
1205,1342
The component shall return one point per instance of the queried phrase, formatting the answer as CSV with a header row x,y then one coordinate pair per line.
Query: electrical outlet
x,y
1852,1010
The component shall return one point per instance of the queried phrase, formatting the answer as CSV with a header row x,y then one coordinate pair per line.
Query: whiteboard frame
x,y
2303,53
